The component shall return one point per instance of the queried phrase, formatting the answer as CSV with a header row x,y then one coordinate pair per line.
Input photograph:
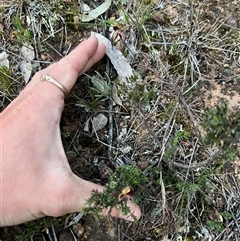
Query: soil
x,y
85,152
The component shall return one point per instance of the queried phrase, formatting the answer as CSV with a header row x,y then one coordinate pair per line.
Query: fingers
x,y
68,69
134,212
81,190
78,61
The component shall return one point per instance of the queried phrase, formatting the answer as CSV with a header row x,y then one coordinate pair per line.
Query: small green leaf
x,y
226,215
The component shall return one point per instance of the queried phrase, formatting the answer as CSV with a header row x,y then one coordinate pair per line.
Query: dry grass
x,y
177,49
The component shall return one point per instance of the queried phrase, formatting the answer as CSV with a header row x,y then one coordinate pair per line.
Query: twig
x,y
75,239
190,114
199,164
53,231
149,129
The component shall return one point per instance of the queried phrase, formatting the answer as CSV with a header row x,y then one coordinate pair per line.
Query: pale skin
x,y
35,177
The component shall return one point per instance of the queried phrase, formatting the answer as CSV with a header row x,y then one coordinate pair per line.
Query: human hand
x,y
35,176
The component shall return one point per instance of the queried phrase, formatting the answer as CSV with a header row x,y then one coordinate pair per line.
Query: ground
x,y
185,57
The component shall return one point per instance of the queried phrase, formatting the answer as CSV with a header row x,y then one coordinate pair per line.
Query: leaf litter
x,y
26,67
119,62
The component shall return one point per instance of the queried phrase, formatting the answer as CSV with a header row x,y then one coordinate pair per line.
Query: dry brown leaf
x,y
116,98
99,122
119,62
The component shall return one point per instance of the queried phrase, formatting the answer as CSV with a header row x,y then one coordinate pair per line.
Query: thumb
x,y
82,190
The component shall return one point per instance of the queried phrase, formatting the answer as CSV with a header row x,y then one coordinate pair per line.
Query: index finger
x,y
68,69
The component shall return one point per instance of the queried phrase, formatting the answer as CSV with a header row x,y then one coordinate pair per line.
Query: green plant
x,y
21,32
181,135
215,225
126,183
222,126
5,80
141,92
98,92
34,227
137,18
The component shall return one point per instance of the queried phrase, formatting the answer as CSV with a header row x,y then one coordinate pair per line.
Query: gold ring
x,y
50,79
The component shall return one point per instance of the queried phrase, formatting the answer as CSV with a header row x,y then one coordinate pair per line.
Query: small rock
x,y
158,18
142,165
76,19
79,230
232,21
